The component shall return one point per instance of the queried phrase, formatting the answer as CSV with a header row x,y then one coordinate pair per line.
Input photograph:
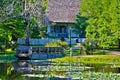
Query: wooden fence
x,y
46,40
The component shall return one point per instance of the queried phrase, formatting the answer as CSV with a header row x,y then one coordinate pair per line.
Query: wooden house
x,y
60,16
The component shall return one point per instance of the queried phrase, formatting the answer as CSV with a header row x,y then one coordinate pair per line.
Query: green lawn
x,y
91,59
86,59
7,56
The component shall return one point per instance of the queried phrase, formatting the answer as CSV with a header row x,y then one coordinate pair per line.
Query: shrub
x,y
2,48
57,44
88,47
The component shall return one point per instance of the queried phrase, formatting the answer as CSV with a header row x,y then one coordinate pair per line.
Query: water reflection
x,y
46,69
39,70
49,70
7,72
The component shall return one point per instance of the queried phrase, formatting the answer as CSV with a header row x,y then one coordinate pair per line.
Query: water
x,y
51,70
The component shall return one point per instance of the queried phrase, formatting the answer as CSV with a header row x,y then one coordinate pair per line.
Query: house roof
x,y
62,11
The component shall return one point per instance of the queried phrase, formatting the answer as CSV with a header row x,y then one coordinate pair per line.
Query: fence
x,y
46,40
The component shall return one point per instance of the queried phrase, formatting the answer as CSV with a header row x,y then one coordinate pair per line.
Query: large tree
x,y
12,18
103,21
10,9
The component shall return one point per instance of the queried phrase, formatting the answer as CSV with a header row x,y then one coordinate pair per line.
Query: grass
x,y
92,59
103,59
79,52
100,52
7,56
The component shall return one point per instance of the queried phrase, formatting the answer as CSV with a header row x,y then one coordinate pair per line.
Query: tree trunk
x,y
27,19
27,36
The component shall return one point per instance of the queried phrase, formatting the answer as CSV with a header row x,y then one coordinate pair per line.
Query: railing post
x,y
71,51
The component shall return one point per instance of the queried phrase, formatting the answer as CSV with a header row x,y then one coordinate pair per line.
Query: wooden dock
x,y
38,52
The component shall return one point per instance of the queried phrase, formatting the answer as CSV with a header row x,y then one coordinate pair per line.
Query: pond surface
x,y
50,70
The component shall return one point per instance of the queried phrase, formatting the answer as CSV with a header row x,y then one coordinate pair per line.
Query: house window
x,y
63,29
59,29
52,29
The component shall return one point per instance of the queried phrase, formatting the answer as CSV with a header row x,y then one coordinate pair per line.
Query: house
x,y
60,16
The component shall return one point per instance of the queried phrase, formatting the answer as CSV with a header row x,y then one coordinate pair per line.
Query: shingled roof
x,y
62,11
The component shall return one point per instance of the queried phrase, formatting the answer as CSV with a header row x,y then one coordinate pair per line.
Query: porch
x,y
43,41
58,31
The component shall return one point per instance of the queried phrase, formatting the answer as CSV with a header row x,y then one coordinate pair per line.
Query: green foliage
x,y
103,21
8,73
8,56
2,48
10,31
88,75
37,12
57,44
77,52
11,9
100,52
44,4
91,48
31,1
80,25
34,29
16,28
92,59
87,47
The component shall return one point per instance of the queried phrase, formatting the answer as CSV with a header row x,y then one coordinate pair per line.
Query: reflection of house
x,y
60,16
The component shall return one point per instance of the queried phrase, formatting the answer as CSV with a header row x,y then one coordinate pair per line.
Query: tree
x,y
10,9
103,21
80,25
37,24
12,18
10,31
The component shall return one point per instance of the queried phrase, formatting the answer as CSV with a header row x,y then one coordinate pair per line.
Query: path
x,y
115,52
111,51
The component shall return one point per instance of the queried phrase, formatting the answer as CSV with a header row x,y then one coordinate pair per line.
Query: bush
x,y
2,48
11,45
88,47
57,44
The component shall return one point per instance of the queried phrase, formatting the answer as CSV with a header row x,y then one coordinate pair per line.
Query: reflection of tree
x,y
7,72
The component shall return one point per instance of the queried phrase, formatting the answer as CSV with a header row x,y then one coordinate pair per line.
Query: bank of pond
x,y
92,67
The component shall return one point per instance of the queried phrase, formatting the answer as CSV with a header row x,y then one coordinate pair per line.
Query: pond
x,y
51,70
